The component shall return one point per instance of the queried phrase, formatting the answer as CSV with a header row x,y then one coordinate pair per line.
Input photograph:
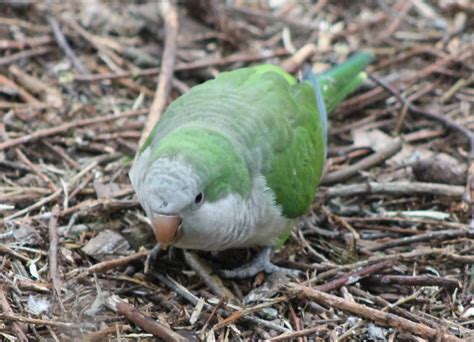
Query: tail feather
x,y
337,83
316,82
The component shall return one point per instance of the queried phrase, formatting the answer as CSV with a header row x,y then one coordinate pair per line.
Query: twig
x,y
430,236
53,250
313,332
213,281
101,335
354,276
59,151
269,17
183,292
27,42
364,164
170,16
40,134
401,8
394,189
377,94
208,62
18,329
35,169
444,120
245,312
23,94
413,220
64,45
293,63
143,321
379,317
28,320
24,54
373,260
7,250
24,24
296,320
110,264
421,280
214,311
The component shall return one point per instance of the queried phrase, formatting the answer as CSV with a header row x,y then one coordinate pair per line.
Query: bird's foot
x,y
262,262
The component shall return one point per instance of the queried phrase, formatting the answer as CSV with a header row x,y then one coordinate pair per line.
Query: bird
x,y
236,160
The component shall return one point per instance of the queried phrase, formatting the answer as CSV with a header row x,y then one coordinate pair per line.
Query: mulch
x,y
386,248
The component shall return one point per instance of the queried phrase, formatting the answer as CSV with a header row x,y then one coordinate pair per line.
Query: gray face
x,y
169,193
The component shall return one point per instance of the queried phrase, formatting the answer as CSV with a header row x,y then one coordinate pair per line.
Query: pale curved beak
x,y
167,228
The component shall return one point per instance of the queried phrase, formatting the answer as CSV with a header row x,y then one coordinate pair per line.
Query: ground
x,y
387,247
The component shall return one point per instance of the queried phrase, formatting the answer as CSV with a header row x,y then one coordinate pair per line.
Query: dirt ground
x,y
386,249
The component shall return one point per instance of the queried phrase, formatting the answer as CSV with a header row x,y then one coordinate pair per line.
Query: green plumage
x,y
255,121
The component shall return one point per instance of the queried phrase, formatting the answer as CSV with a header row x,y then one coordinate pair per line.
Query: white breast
x,y
234,222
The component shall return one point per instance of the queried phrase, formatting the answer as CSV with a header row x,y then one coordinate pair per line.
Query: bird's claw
x,y
261,263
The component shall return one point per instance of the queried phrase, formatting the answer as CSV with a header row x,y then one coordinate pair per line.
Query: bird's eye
x,y
199,198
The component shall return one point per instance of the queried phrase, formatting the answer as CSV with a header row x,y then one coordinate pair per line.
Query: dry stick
x,y
449,123
377,94
53,251
59,151
208,62
235,316
314,332
378,316
183,292
18,328
64,45
387,306
372,260
51,197
294,63
7,250
23,94
143,321
395,188
35,169
214,311
66,126
438,235
24,54
31,42
413,220
101,335
269,17
444,120
421,280
28,320
401,13
170,17
213,281
296,321
110,264
463,259
354,276
364,164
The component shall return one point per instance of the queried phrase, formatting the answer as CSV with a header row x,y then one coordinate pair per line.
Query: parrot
x,y
234,161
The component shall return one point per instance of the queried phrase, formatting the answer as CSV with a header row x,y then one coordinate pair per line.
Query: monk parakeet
x,y
236,159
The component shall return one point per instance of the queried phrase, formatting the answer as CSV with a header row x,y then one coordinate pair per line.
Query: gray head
x,y
168,190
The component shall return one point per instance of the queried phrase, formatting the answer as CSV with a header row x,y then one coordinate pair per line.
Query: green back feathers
x,y
250,122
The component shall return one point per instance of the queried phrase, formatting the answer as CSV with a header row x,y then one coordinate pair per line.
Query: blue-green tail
x,y
337,83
